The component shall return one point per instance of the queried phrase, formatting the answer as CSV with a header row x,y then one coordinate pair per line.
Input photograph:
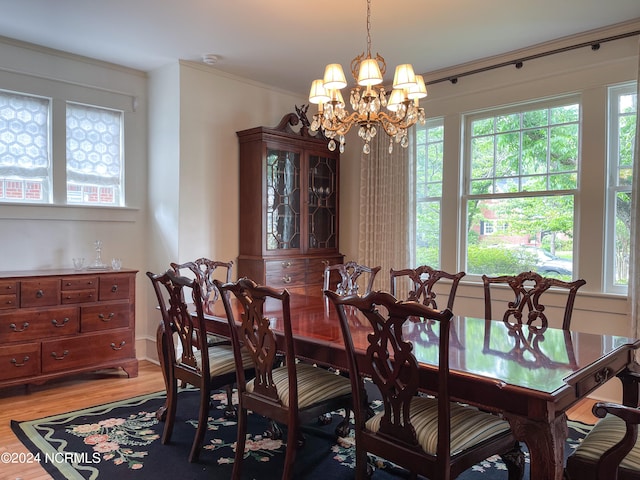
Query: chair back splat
x,y
205,271
414,431
350,273
526,307
293,394
423,280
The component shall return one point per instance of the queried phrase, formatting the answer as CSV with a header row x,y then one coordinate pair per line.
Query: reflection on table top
x,y
537,360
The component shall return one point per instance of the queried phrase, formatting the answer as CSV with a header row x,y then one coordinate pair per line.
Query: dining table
x,y
529,375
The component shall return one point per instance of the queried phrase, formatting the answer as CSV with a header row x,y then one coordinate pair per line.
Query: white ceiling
x,y
286,43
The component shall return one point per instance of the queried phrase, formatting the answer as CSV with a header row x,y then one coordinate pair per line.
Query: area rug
x,y
122,440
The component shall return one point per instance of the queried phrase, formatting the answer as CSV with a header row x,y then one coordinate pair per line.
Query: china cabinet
x,y
59,322
288,206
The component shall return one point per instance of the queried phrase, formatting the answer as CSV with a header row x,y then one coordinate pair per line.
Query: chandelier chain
x,y
368,28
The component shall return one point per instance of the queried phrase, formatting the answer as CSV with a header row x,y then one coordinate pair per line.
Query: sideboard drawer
x,y
8,302
105,316
115,287
39,293
30,325
19,360
79,283
78,296
76,352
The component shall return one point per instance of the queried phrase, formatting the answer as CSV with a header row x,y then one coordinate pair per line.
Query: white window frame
x,y
613,94
436,122
467,196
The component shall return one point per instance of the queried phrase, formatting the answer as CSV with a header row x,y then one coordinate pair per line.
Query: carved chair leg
x,y
274,431
342,429
514,461
230,411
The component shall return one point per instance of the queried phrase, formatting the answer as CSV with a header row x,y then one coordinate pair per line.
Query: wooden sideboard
x,y
60,322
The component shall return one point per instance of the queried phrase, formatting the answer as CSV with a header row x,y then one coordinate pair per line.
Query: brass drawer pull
x,y
40,293
107,318
58,325
286,264
122,344
24,360
13,327
603,375
57,357
114,288
286,279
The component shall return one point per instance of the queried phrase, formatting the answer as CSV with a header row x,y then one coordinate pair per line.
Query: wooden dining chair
x,y
292,394
429,436
610,451
350,273
205,270
422,280
190,359
525,306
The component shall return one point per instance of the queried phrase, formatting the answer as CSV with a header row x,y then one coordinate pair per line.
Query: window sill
x,y
67,212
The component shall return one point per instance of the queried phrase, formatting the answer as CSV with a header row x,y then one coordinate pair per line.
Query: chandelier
x,y
368,99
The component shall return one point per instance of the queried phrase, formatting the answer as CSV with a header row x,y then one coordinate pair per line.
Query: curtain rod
x,y
594,44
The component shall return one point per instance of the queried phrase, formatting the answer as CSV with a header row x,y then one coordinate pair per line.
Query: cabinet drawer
x,y
39,293
115,287
19,361
31,325
105,316
8,301
79,283
285,273
78,296
81,351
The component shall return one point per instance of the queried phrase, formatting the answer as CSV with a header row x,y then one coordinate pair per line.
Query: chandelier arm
x,y
338,126
384,117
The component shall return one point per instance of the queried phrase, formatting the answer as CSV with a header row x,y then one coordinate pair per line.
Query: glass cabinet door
x,y
322,202
283,200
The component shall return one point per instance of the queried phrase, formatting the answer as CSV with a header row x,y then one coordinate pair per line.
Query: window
x,y
25,146
429,165
623,109
94,158
94,153
521,178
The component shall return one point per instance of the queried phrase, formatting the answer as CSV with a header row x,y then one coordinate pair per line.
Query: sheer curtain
x,y
634,269
386,210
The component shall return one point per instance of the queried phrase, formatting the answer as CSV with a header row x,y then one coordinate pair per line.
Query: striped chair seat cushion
x,y
469,426
606,433
314,385
221,360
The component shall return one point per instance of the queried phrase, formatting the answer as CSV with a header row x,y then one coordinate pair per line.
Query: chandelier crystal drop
x,y
372,110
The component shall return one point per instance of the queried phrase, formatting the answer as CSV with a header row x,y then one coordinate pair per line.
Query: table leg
x,y
630,392
545,441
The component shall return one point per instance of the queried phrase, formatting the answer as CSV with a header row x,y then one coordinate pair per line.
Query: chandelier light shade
x,y
371,108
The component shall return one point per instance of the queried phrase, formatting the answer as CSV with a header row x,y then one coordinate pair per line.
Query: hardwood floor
x,y
20,403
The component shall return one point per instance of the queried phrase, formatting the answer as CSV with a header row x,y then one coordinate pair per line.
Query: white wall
x,y
193,165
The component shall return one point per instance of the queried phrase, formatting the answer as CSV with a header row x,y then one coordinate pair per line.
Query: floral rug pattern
x,y
122,440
